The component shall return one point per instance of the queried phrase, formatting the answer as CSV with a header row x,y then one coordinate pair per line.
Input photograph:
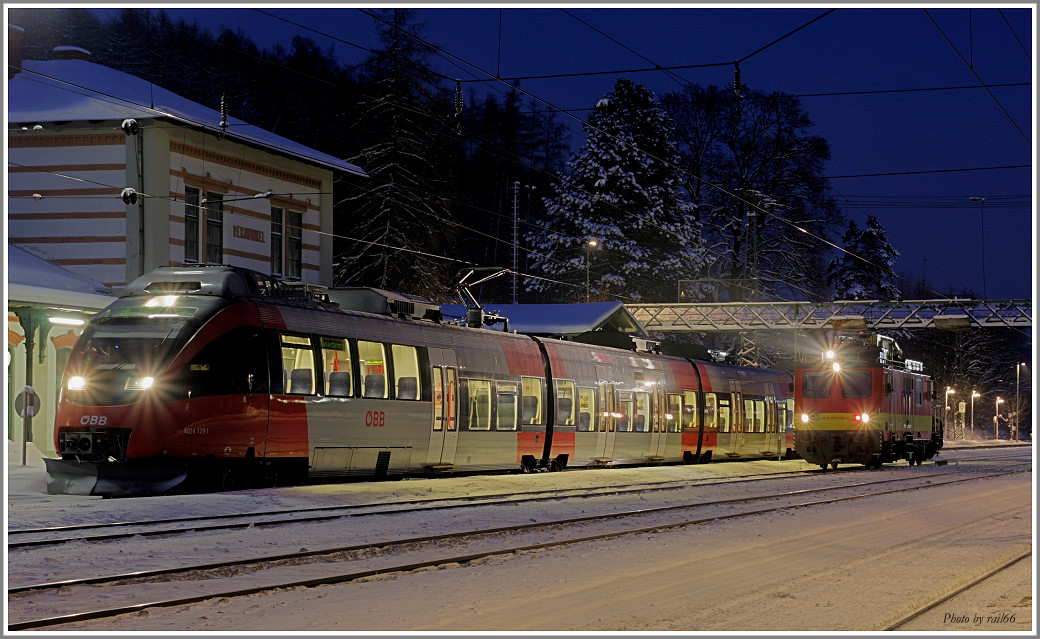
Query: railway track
x,y
361,561
109,531
966,587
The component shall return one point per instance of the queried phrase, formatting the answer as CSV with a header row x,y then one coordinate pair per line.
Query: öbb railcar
x,y
864,404
224,374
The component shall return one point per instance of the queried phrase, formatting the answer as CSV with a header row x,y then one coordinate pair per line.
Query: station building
x,y
110,176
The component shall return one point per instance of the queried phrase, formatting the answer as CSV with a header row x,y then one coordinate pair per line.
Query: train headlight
x,y
805,418
865,417
77,383
139,383
836,367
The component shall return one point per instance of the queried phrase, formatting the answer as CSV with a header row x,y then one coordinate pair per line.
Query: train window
x,y
565,405
710,411
642,413
856,384
505,416
372,366
673,418
298,365
624,417
479,398
689,418
816,385
234,363
449,398
918,389
758,422
531,406
438,398
339,381
724,415
586,409
406,372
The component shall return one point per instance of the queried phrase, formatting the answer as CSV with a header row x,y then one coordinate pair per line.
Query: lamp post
x,y
589,245
996,416
982,238
1018,401
973,396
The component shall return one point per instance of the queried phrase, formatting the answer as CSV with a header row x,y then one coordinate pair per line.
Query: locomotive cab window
x,y
372,367
816,385
406,372
339,380
298,365
857,384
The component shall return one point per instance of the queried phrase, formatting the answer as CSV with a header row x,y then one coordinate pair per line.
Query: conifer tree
x,y
394,224
864,270
622,191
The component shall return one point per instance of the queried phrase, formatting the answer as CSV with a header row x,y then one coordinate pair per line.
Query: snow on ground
x,y
835,568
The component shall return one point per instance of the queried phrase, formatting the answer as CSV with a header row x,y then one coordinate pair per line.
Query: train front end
x,y
837,413
114,411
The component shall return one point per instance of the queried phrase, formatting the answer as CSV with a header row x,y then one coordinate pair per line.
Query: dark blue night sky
x,y
877,82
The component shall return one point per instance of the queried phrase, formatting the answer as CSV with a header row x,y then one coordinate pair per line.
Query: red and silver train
x,y
865,404
219,372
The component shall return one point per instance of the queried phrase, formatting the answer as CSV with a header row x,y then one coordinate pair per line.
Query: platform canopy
x,y
558,320
34,282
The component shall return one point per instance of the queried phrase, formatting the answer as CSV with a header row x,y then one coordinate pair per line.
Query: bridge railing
x,y
949,314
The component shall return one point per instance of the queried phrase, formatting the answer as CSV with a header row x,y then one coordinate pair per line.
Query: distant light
x,y
67,321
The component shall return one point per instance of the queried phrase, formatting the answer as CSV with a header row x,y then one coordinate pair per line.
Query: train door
x,y
444,433
607,418
658,437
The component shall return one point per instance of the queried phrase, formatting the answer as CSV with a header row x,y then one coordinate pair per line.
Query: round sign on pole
x,y
33,404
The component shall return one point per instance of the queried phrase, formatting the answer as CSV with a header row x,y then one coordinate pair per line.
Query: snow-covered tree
x,y
392,225
623,191
753,153
865,270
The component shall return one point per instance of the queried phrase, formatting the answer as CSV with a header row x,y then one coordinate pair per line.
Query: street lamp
x,y
1018,401
996,416
982,239
589,245
973,396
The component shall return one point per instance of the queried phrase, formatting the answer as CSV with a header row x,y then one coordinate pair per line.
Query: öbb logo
x,y
375,419
93,420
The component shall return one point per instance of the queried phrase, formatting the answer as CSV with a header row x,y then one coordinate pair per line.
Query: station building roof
x,y
74,90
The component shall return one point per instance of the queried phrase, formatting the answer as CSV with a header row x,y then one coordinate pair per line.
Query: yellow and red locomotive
x,y
865,404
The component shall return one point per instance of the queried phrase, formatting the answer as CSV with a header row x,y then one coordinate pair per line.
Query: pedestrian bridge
x,y
948,314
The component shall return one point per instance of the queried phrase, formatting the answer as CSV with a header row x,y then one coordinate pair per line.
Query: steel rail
x,y
968,586
355,575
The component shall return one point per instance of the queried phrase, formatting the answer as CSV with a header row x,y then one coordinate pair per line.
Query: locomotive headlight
x,y
77,383
865,417
805,418
836,367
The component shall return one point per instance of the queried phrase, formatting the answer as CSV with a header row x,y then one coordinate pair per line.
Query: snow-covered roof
x,y
558,319
33,281
74,90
